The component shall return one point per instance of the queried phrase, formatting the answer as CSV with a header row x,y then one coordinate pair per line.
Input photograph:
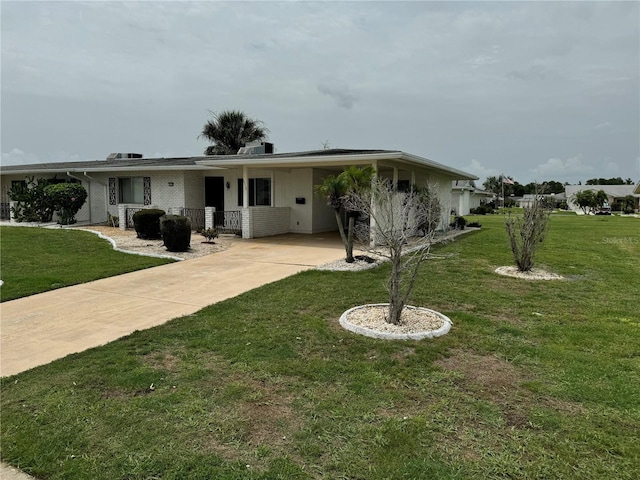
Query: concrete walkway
x,y
38,329
41,328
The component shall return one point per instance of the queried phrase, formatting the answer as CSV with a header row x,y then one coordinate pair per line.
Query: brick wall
x,y
263,222
193,190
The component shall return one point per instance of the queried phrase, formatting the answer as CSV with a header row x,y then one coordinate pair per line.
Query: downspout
x,y
88,193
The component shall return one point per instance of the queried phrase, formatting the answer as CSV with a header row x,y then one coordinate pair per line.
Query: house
x,y
615,194
554,200
466,196
256,194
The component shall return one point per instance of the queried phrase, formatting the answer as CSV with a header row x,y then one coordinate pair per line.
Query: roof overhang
x,y
337,160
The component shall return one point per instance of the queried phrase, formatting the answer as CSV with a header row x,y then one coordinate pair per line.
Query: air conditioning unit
x,y
256,148
118,156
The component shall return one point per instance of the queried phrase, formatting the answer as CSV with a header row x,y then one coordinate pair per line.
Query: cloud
x,y
341,93
480,170
559,168
18,157
612,167
604,126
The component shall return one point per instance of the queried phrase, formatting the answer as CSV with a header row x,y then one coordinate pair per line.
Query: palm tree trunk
x,y
349,244
345,240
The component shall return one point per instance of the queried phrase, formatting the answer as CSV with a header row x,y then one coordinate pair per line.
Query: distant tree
x,y
493,185
589,201
608,181
600,199
585,199
552,186
230,130
628,181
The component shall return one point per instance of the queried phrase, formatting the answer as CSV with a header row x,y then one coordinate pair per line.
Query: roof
x,y
207,162
617,191
331,157
105,165
471,186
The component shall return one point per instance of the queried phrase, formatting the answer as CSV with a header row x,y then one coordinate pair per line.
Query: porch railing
x,y
195,216
228,222
129,215
5,211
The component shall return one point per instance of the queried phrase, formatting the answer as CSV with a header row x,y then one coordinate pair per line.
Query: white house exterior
x,y
465,196
260,194
614,193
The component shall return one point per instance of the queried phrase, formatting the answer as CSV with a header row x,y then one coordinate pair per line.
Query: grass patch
x,y
36,260
535,380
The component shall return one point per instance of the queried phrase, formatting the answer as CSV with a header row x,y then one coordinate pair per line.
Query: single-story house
x,y
615,194
552,199
465,196
253,194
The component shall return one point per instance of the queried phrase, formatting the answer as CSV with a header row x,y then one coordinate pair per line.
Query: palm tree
x,y
335,189
230,130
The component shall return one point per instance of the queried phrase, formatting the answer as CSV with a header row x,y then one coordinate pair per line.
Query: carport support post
x,y
246,213
122,216
209,216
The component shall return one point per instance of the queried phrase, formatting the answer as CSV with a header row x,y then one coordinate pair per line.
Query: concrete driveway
x,y
41,328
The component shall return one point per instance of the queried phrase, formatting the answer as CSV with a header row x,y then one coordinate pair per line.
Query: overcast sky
x,y
537,90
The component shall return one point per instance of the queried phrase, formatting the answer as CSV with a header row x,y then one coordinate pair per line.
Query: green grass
x,y
535,380
35,260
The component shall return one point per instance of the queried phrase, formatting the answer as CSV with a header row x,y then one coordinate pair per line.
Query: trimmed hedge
x,y
176,232
147,223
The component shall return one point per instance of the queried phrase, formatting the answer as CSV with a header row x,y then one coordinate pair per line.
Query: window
x,y
131,190
259,192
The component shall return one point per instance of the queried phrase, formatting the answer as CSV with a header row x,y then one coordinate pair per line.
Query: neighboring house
x,y
615,194
253,194
552,199
465,196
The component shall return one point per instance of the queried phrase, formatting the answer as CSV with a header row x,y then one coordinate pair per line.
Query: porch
x,y
247,222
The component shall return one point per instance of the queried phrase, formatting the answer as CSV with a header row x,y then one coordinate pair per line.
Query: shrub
x,y
32,203
176,232
67,199
474,225
147,223
481,210
526,233
458,223
209,233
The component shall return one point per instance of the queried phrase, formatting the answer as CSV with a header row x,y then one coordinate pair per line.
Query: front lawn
x,y
535,380
34,260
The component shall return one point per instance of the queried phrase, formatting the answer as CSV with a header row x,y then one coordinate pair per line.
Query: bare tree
x,y
527,232
401,229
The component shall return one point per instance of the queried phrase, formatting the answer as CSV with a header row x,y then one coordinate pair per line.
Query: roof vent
x,y
119,156
256,148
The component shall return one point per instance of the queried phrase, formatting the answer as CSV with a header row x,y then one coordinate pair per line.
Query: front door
x,y
214,193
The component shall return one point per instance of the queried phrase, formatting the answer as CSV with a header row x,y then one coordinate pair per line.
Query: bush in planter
x,y
147,223
176,232
209,233
458,223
